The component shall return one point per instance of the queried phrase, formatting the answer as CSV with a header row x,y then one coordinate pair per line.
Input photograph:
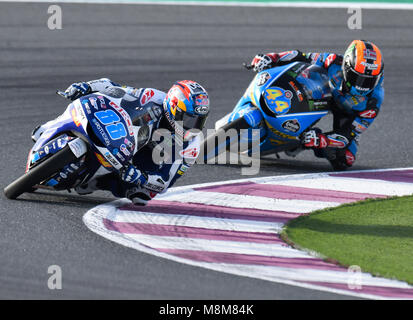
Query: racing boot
x,y
139,196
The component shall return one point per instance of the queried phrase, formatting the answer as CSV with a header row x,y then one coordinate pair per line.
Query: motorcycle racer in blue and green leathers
x,y
356,82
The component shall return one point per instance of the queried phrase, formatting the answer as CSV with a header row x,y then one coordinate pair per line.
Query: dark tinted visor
x,y
361,82
190,121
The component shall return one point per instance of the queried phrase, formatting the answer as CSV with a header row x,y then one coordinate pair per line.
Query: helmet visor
x,y
362,83
190,121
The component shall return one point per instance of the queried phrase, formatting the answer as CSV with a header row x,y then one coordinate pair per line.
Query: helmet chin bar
x,y
174,127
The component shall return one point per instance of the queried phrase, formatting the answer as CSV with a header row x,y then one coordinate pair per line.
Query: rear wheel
x,y
40,173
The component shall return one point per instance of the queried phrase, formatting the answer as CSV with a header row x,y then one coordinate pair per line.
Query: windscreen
x,y
315,82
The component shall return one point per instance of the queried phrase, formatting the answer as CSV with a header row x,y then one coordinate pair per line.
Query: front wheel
x,y
211,146
40,173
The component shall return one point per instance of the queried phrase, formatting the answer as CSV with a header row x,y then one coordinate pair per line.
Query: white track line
x,y
269,250
277,179
345,184
196,222
250,202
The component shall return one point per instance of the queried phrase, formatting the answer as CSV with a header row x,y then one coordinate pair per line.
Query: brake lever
x,y
62,94
247,66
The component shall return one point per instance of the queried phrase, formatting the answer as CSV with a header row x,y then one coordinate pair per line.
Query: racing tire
x,y
237,124
39,173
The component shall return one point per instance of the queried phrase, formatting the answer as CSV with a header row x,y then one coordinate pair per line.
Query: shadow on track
x,y
288,166
64,199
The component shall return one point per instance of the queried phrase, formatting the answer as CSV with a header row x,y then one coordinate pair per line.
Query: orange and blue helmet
x,y
362,67
186,106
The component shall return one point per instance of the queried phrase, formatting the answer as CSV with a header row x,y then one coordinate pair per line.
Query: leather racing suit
x,y
352,114
159,176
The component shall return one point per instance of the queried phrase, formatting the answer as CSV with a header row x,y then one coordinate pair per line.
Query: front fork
x,y
256,130
78,147
243,126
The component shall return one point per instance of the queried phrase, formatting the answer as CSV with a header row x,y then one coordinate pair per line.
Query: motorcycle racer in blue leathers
x,y
184,108
356,82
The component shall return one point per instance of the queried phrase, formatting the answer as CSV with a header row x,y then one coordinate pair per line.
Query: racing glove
x,y
264,61
133,175
314,139
77,90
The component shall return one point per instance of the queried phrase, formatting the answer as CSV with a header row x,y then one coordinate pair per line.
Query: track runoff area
x,y
235,226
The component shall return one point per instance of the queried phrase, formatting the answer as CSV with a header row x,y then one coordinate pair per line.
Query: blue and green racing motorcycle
x,y
281,104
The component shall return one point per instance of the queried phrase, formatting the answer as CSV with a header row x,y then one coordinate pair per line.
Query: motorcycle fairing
x,y
287,101
98,120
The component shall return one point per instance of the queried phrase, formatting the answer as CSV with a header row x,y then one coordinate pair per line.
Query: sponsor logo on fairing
x,y
291,125
262,78
279,133
128,143
101,131
112,160
93,102
297,91
78,115
102,161
120,157
102,103
75,118
124,150
86,105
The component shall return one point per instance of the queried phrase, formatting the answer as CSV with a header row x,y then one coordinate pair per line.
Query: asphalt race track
x,y
152,46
